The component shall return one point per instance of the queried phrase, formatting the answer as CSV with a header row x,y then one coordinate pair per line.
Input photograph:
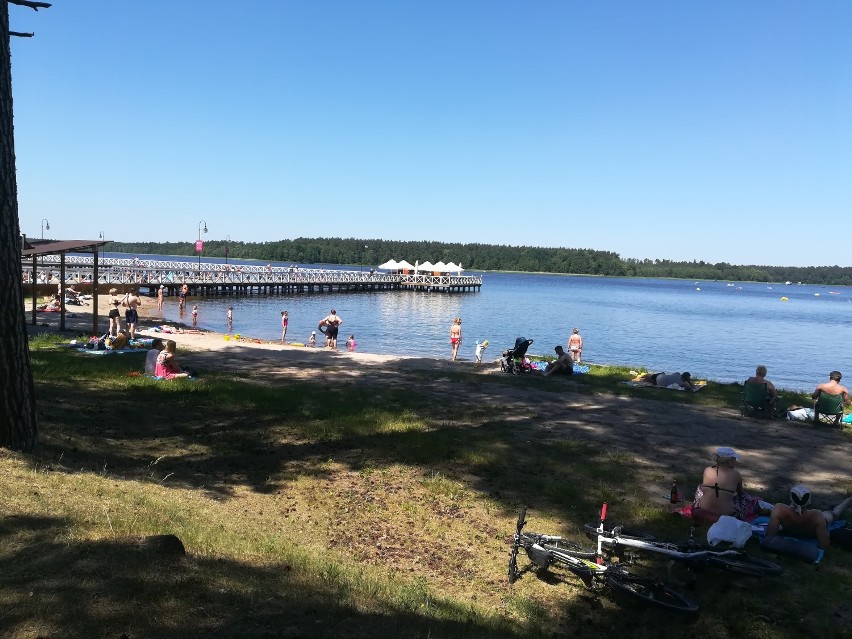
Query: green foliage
x,y
488,257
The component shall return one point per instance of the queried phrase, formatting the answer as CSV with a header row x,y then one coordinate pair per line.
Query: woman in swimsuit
x,y
114,318
455,336
721,491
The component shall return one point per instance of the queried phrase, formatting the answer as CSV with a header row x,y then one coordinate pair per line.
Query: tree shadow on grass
x,y
117,589
514,443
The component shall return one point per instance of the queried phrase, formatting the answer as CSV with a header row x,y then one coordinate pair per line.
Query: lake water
x,y
715,330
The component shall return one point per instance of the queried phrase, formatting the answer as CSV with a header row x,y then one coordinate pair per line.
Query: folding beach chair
x,y
828,409
756,402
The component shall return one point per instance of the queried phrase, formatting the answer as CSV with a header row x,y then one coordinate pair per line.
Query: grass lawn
x,y
335,509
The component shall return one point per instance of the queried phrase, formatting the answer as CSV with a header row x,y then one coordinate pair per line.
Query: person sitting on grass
x,y
167,367
151,358
562,364
721,491
796,520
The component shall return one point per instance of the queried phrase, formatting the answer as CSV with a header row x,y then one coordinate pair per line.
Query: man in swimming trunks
x,y
720,485
182,296
796,520
131,315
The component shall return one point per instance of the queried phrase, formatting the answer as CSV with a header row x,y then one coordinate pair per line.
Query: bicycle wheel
x,y
513,564
651,592
746,565
591,531
513,553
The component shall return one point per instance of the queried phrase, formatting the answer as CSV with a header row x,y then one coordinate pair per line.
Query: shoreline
x,y
79,320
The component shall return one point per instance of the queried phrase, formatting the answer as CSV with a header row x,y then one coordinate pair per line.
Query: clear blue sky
x,y
716,131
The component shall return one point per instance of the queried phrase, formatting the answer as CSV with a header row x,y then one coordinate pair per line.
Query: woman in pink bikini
x,y
456,336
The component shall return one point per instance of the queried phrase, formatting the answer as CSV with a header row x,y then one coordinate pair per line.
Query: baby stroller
x,y
514,360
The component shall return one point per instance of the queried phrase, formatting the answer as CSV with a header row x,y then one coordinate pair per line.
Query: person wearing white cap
x,y
802,522
719,486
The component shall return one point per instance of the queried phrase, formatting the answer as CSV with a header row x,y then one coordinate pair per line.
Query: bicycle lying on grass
x,y
618,540
546,550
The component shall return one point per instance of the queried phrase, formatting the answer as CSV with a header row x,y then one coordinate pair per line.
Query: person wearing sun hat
x,y
720,485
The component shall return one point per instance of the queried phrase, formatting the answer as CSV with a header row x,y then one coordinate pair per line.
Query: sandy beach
x,y
667,439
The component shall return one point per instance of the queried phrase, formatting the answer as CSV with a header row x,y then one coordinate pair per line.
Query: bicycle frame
x,y
612,539
597,574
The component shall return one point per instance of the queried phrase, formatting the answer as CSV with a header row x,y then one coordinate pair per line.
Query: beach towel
x,y
108,351
638,383
578,369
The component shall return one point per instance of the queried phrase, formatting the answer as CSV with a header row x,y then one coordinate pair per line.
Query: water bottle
x,y
673,499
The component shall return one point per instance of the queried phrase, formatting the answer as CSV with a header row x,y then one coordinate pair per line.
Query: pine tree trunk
x,y
18,428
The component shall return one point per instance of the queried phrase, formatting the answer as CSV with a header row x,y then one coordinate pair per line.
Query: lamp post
x,y
362,256
199,245
44,225
227,247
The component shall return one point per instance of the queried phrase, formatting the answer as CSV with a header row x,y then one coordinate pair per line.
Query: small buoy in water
x,y
784,299
816,294
697,289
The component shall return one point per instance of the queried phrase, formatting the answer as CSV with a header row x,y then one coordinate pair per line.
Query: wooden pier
x,y
209,279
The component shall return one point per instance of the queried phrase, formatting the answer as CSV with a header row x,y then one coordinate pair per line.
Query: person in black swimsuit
x,y
720,483
332,323
114,318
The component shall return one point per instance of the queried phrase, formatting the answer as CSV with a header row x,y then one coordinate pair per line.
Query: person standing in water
x,y
332,322
455,336
575,345
285,319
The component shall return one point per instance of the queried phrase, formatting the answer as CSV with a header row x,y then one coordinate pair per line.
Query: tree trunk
x,y
18,427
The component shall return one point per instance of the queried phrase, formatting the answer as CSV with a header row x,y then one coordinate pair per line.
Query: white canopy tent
x,y
440,267
405,265
452,267
426,266
390,265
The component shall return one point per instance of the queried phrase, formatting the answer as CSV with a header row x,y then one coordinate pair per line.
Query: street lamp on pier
x,y
362,256
198,245
227,247
44,225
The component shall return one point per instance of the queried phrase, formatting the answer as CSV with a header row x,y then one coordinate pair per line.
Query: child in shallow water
x,y
312,341
351,343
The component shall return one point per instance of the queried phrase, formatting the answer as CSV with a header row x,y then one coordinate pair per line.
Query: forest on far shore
x,y
487,257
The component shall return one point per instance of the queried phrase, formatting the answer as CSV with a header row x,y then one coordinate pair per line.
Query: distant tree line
x,y
487,257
